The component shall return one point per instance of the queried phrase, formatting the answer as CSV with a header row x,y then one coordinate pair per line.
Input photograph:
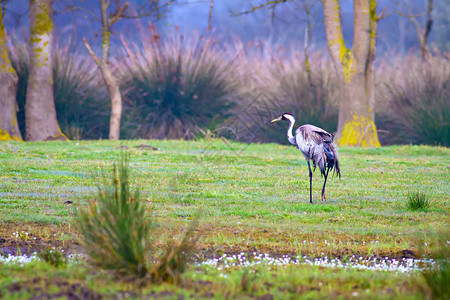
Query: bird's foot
x,y
323,199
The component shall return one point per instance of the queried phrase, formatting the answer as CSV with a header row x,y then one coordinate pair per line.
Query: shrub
x,y
173,86
286,84
438,277
413,101
80,98
417,201
53,257
118,233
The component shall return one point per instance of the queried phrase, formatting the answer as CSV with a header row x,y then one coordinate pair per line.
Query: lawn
x,y
249,198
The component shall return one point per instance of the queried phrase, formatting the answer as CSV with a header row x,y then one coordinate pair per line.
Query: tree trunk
x,y
356,126
103,64
116,101
9,129
423,34
40,112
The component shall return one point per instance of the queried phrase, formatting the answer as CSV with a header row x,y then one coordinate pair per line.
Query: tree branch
x,y
157,8
429,22
382,15
211,6
120,12
254,8
88,47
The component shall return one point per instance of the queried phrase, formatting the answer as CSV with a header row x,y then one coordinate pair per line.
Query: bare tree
x,y
40,112
9,129
107,21
104,65
355,69
423,33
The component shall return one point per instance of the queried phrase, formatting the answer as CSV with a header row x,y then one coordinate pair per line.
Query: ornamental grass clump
x,y
117,230
418,201
80,98
173,86
413,101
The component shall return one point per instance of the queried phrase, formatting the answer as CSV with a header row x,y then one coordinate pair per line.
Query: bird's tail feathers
x,y
332,158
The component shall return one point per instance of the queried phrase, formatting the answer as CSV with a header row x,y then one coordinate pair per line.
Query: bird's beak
x,y
276,120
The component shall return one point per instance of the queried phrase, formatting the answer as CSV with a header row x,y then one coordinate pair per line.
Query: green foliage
x,y
175,257
80,98
53,257
418,201
173,86
437,279
82,104
116,227
117,231
414,105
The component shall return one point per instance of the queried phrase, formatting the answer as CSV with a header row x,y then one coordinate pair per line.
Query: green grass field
x,y
250,198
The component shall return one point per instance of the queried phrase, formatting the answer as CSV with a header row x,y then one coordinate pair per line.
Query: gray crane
x,y
317,145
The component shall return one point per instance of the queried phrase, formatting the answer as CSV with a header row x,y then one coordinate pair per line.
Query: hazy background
x,y
248,69
284,25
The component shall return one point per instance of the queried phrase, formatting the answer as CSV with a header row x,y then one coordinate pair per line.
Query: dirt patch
x,y
28,238
39,287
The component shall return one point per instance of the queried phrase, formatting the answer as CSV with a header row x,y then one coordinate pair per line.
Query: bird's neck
x,y
290,135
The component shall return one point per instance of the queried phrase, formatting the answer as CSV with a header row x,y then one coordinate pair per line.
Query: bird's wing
x,y
318,135
317,131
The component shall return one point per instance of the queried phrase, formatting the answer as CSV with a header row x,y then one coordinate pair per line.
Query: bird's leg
x,y
323,189
310,183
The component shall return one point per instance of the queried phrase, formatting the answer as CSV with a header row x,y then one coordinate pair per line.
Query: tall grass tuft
x,y
413,101
117,230
418,201
80,98
174,85
174,258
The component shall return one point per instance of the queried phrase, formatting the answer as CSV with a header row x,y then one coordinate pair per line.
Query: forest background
x,y
193,68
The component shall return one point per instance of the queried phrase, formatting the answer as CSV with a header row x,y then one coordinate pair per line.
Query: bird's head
x,y
285,116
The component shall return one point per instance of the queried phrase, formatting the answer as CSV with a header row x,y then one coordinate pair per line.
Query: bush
x,y
53,257
438,277
286,84
118,233
173,86
413,101
418,201
80,97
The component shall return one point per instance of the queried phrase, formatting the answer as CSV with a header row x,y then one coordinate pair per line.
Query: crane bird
x,y
317,145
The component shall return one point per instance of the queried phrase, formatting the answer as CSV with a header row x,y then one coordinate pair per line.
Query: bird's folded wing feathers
x,y
317,134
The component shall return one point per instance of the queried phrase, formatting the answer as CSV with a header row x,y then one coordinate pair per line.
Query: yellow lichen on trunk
x,y
359,131
348,63
5,64
39,33
5,136
44,23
